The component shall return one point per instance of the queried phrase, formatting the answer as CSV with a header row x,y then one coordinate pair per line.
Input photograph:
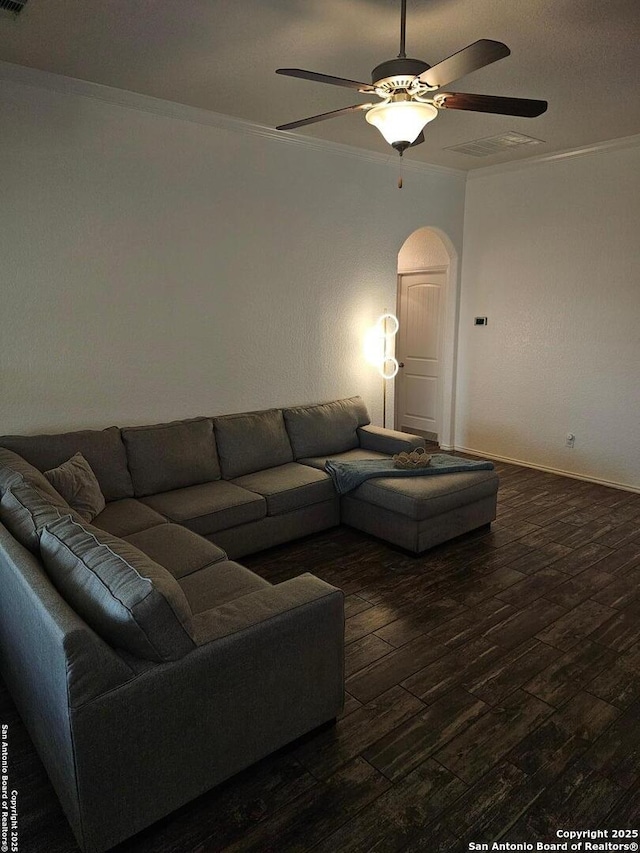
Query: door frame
x,y
449,339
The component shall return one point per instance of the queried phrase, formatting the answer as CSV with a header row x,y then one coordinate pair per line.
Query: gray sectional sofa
x,y
147,664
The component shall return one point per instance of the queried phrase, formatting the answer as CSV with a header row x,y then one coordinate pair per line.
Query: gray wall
x,y
552,257
157,266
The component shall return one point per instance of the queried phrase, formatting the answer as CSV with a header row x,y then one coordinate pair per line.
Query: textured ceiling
x,y
580,55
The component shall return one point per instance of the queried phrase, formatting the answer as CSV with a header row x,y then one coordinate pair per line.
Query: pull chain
x,y
400,175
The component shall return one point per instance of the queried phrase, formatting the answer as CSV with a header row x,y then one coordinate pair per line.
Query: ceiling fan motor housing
x,y
397,73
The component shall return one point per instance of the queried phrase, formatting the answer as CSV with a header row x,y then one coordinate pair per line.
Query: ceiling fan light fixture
x,y
400,122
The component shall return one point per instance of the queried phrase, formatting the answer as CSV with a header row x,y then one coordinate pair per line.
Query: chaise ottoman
x,y
417,513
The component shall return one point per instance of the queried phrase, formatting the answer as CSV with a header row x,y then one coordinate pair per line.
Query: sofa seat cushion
x,y
251,441
218,584
209,507
179,550
25,510
419,498
122,518
355,455
289,487
325,428
170,456
14,469
132,602
102,448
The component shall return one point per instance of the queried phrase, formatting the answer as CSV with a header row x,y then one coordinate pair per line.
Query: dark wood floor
x,y
493,694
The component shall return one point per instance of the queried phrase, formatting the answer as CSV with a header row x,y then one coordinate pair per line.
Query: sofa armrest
x,y
389,441
269,669
275,602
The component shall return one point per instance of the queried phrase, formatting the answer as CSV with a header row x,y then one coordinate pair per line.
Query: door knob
x,y
401,364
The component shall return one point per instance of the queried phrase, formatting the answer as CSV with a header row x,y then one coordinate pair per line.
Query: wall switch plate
x,y
570,439
480,321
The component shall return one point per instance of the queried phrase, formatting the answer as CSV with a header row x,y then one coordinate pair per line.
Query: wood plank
x,y
325,753
379,676
624,591
409,745
364,623
502,556
585,716
438,837
354,604
543,556
315,814
362,652
620,631
475,589
625,812
580,587
621,559
518,627
472,622
394,819
575,625
623,534
421,621
490,738
491,806
350,704
532,587
566,676
580,797
619,683
501,535
442,675
550,514
546,753
501,677
616,753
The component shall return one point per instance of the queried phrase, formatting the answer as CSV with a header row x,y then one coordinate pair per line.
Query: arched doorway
x,y
427,307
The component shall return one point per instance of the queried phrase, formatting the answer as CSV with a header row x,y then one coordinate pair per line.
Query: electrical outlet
x,y
570,439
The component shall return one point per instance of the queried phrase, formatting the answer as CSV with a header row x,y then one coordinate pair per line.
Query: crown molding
x,y
558,156
34,78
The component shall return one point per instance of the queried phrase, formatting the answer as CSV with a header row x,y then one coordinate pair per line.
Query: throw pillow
x,y
77,484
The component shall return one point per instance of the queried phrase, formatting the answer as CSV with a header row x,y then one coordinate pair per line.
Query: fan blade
x,y
490,104
459,64
326,78
418,140
323,116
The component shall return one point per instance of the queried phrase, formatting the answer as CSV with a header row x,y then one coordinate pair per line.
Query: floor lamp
x,y
388,367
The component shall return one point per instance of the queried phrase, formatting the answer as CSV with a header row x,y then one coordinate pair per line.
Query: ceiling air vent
x,y
13,6
494,144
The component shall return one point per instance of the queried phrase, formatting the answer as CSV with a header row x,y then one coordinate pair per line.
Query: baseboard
x,y
626,487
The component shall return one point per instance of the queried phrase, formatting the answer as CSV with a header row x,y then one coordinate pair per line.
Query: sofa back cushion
x,y
103,449
251,441
14,469
325,428
24,511
171,456
131,601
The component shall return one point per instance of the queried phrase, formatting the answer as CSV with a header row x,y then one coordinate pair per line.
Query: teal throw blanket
x,y
347,476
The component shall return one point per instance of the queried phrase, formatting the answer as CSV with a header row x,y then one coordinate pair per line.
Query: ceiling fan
x,y
406,86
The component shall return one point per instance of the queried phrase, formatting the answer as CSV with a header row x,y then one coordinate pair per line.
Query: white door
x,y
421,301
